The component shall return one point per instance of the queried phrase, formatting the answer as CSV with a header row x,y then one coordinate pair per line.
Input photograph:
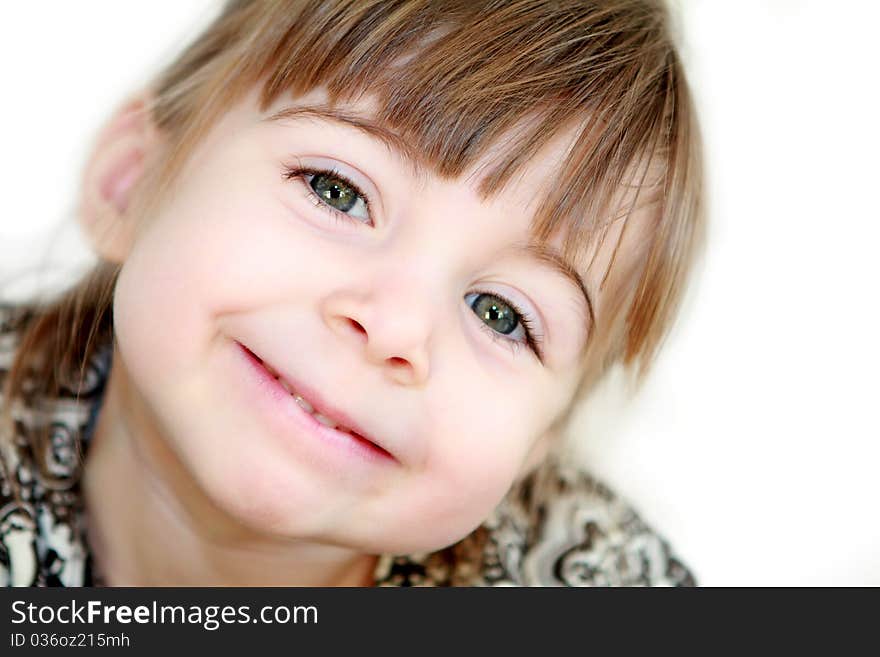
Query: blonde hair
x,y
608,68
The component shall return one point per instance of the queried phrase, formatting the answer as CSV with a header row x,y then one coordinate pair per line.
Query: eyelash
x,y
294,172
533,338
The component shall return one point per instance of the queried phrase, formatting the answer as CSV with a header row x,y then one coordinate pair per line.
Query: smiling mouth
x,y
309,408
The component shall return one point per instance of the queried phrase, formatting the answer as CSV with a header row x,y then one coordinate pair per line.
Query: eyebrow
x,y
543,254
391,139
552,259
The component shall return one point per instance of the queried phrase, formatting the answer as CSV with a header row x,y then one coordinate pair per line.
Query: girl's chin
x,y
268,512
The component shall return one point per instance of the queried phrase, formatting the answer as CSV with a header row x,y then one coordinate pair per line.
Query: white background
x,y
754,446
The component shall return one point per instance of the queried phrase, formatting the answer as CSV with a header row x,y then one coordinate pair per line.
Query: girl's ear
x,y
113,170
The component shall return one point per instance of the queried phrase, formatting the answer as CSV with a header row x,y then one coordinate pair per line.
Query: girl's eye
x,y
333,192
499,315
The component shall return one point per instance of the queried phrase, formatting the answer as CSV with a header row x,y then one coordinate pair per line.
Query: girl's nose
x,y
386,330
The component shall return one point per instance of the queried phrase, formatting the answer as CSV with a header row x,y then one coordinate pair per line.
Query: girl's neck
x,y
149,524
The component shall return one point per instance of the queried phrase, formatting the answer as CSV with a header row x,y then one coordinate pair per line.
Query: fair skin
x,y
192,479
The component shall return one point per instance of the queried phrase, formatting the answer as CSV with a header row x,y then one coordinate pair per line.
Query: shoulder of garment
x,y
42,530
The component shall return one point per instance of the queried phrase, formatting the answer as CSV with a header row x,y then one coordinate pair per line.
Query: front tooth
x,y
302,402
325,420
286,386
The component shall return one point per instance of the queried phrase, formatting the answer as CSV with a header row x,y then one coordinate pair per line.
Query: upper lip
x,y
325,408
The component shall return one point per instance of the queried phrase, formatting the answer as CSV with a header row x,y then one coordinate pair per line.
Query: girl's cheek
x,y
485,456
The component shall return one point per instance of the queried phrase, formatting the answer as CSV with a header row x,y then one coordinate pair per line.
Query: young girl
x,y
357,263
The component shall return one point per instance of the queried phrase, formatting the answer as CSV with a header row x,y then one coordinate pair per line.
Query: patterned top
x,y
559,527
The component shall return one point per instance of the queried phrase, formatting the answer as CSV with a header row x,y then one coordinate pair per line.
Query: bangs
x,y
458,80
455,80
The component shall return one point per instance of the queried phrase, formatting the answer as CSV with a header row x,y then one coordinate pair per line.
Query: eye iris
x,y
334,192
492,309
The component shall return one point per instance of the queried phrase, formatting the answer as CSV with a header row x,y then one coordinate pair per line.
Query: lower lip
x,y
296,421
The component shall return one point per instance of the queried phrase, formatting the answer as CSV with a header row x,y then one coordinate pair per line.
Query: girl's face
x,y
377,291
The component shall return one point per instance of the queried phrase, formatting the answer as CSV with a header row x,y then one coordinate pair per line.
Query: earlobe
x,y
113,171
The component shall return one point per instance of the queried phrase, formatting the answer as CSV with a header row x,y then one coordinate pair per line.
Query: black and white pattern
x,y
559,527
